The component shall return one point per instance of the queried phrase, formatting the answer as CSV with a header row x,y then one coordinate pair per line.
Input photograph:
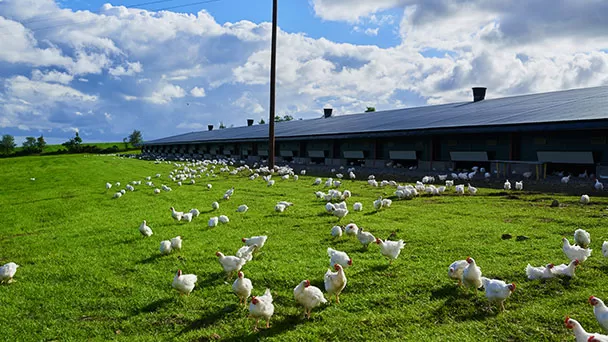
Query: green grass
x,y
87,274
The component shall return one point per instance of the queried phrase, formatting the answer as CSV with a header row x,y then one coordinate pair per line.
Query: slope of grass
x,y
87,273
53,149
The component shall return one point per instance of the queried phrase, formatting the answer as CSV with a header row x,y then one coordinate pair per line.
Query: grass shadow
x,y
380,267
463,306
151,259
290,322
213,278
155,306
209,319
446,291
371,213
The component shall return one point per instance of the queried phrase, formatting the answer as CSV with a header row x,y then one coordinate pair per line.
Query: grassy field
x,y
50,149
87,273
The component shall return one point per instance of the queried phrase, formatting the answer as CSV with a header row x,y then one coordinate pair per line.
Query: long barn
x,y
539,133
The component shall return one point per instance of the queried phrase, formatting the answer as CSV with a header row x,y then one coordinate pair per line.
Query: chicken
x,y
338,257
507,185
336,231
585,199
187,217
176,243
582,238
242,287
177,215
340,213
471,275
519,185
308,296
358,206
242,208
600,311
224,219
575,252
144,229
365,238
259,241
605,249
566,270
539,272
497,290
598,338
184,283
246,252
215,205
378,203
213,221
580,333
390,249
335,281
285,203
7,272
261,307
230,263
279,208
195,212
455,270
351,229
165,247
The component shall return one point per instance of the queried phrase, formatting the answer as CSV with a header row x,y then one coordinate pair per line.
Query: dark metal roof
x,y
555,110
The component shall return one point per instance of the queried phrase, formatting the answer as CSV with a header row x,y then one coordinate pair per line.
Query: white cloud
x,y
129,70
197,92
351,10
165,93
371,31
249,103
108,116
52,76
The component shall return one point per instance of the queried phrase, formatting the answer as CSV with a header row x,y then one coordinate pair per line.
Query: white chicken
x,y
213,221
259,241
566,270
471,275
351,229
261,307
184,283
605,249
600,311
340,213
378,203
497,290
187,217
279,208
585,199
365,238
338,257
335,281
386,203
519,185
598,185
575,252
507,185
358,206
541,272
230,263
308,296
455,270
195,212
7,272
242,208
246,252
242,288
390,249
165,247
580,333
582,238
144,229
223,219
176,243
177,215
215,205
336,231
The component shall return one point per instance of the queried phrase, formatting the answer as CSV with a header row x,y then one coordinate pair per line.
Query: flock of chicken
x,y
466,272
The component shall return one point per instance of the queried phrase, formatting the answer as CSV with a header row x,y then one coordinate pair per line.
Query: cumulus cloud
x,y
197,92
97,68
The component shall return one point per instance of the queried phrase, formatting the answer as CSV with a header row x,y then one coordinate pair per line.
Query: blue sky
x,y
106,69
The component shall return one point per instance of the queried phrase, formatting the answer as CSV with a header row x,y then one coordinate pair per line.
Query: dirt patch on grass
x,y
546,219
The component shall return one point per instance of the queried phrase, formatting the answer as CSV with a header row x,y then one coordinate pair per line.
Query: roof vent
x,y
327,112
249,122
210,127
479,93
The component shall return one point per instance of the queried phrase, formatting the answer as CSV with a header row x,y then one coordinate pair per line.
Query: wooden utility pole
x,y
273,74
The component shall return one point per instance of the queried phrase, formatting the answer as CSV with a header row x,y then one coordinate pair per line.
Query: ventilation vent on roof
x,y
479,93
210,127
249,122
327,112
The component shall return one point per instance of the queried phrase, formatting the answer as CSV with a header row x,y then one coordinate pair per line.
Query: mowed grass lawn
x,y
87,273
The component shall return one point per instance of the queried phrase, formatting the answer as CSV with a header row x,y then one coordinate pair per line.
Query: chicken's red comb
x,y
567,319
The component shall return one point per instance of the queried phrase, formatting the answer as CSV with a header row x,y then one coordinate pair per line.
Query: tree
x,y
284,118
222,126
135,138
40,143
29,145
261,122
73,145
370,109
8,143
126,142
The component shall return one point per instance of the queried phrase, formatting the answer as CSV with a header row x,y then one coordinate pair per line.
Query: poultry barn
x,y
562,132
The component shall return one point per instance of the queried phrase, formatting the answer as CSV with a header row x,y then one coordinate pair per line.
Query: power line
x,y
156,10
